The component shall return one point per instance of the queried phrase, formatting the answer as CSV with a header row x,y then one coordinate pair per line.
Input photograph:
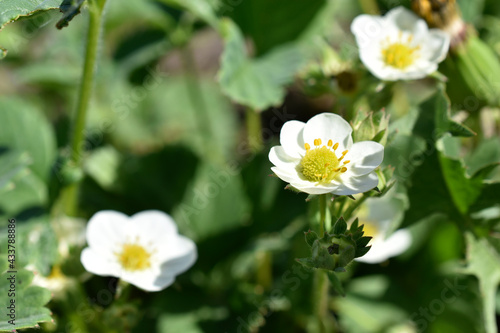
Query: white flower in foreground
x,y
144,249
399,46
377,215
319,157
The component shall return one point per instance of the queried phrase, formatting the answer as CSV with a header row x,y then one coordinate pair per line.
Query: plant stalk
x,y
84,96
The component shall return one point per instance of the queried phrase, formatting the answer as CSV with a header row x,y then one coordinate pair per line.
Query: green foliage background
x,y
166,130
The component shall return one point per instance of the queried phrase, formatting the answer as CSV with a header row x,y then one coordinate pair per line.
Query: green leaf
x,y
24,191
25,129
340,226
257,83
38,244
103,165
484,263
311,236
283,22
29,300
464,190
11,163
11,10
336,284
434,120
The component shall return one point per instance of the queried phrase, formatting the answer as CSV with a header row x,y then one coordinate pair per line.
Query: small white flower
x,y
399,46
319,157
144,249
377,215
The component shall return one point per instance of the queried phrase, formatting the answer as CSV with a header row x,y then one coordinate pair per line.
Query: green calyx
x,y
335,251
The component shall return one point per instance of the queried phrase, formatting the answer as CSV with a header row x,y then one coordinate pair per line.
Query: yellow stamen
x,y
134,257
321,164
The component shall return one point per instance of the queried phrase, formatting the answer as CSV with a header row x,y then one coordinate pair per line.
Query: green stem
x,y
254,130
322,214
320,284
86,87
352,208
320,299
87,84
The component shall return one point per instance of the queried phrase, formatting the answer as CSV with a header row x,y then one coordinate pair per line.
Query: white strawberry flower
x,y
319,157
399,45
377,216
143,249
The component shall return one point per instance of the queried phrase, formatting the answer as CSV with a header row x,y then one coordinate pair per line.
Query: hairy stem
x,y
84,95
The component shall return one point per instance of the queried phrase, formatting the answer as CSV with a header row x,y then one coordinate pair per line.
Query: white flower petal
x,y
364,157
155,231
279,158
152,226
149,280
438,42
304,185
106,229
368,30
400,25
382,250
180,264
357,184
405,19
99,264
328,126
291,138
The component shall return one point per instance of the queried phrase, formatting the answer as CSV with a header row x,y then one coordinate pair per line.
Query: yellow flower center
x,y
400,54
321,164
134,257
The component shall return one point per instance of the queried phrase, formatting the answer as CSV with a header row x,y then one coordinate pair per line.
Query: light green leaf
x,y
38,244
29,301
484,263
25,129
102,165
257,83
24,191
11,163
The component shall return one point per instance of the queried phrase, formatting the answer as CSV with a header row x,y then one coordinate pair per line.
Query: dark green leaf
x,y
340,226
